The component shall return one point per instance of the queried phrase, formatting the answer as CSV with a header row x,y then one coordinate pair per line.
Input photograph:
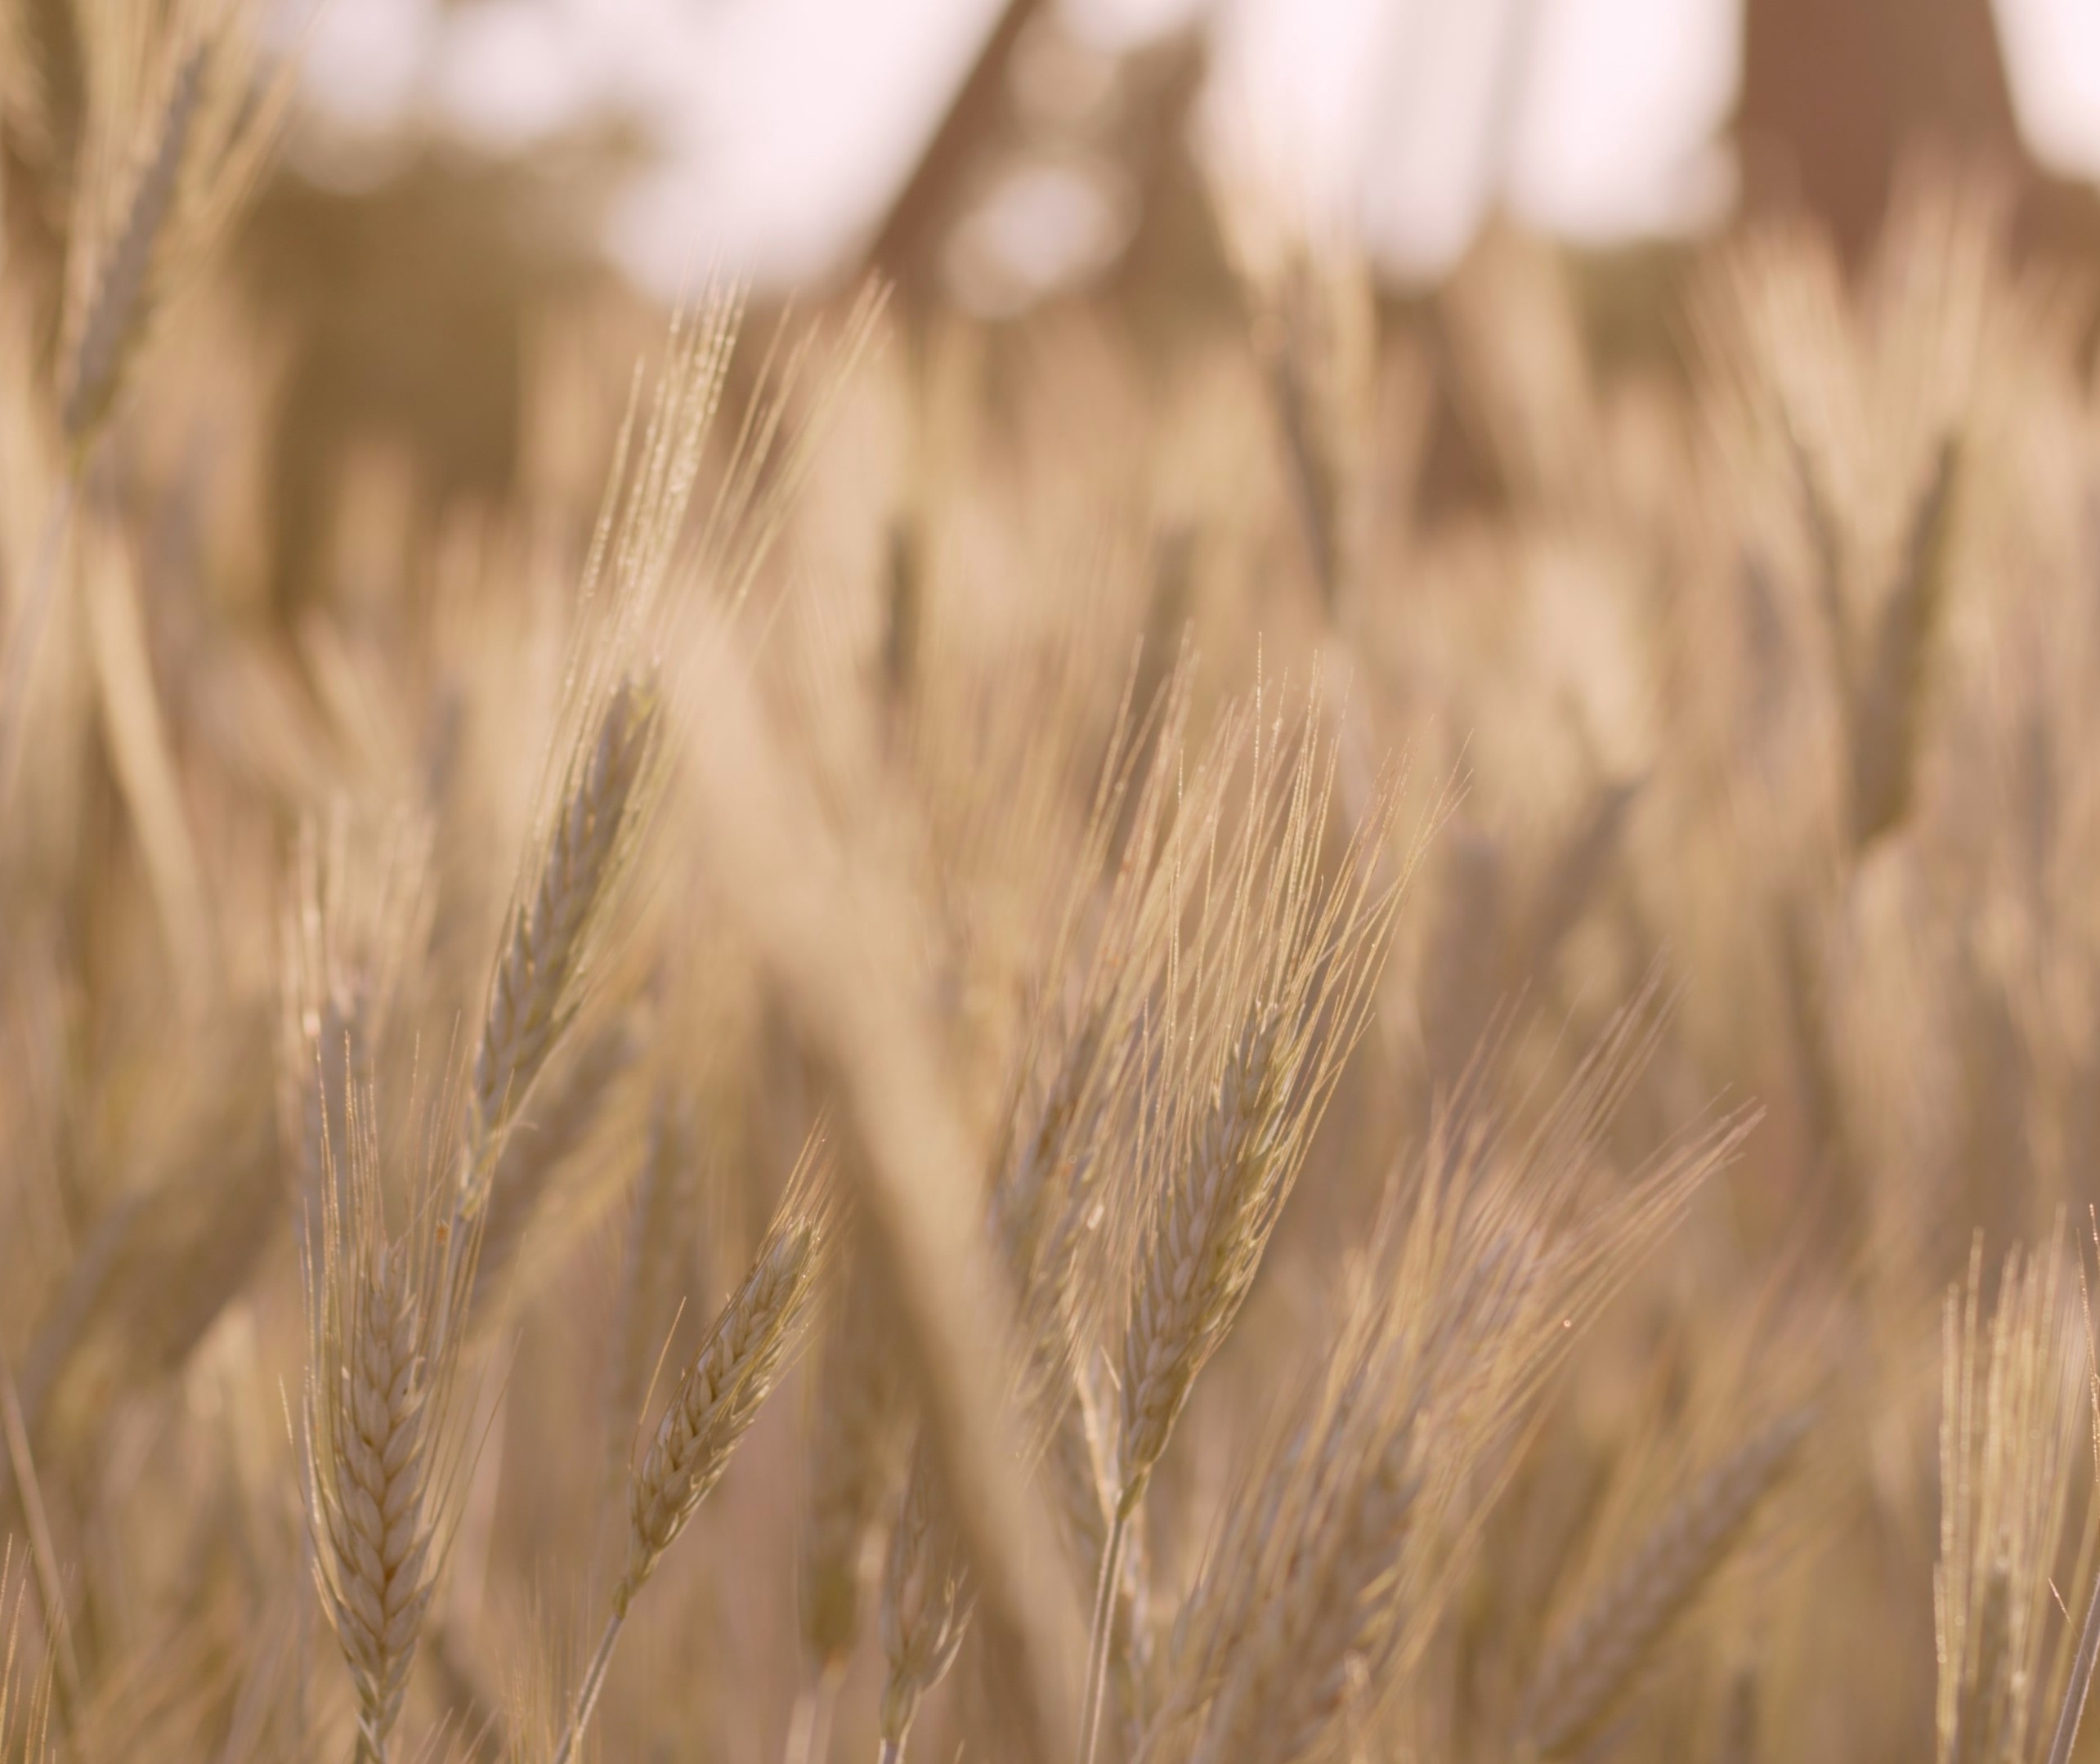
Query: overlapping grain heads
x,y
908,752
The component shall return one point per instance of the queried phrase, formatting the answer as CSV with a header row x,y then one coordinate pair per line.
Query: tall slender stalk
x,y
1102,1628
809,1731
587,1693
2081,1682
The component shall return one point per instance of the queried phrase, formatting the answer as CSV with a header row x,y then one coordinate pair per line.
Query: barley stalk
x,y
2072,1714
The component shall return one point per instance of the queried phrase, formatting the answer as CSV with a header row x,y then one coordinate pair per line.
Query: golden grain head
x,y
535,889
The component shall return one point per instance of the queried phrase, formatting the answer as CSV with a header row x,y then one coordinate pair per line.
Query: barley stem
x,y
1099,1634
2081,1681
809,1733
587,1693
892,1753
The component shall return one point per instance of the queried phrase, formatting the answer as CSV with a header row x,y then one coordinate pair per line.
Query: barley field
x,y
1203,1031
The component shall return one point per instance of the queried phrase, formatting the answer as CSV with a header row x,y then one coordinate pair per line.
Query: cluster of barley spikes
x,y
1367,1035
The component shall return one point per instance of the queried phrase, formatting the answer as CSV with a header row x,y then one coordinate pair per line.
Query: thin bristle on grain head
x,y
2011,1414
804,378
381,1457
1059,1220
27,1678
1056,1219
1333,1564
361,908
1320,1585
1589,1670
605,772
1293,960
746,1352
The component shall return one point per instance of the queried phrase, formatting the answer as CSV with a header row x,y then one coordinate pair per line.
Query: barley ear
x,y
377,1469
117,312
141,229
737,1367
1586,1674
746,1352
926,1602
540,974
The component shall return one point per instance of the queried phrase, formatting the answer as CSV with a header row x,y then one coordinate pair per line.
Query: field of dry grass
x,y
962,1043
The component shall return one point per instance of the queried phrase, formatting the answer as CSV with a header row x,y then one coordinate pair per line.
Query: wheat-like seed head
x,y
1334,1560
1206,1244
604,776
925,1607
378,1533
1057,1216
736,1367
379,1462
177,134
1589,1669
1322,1581
1293,960
537,980
1311,1644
